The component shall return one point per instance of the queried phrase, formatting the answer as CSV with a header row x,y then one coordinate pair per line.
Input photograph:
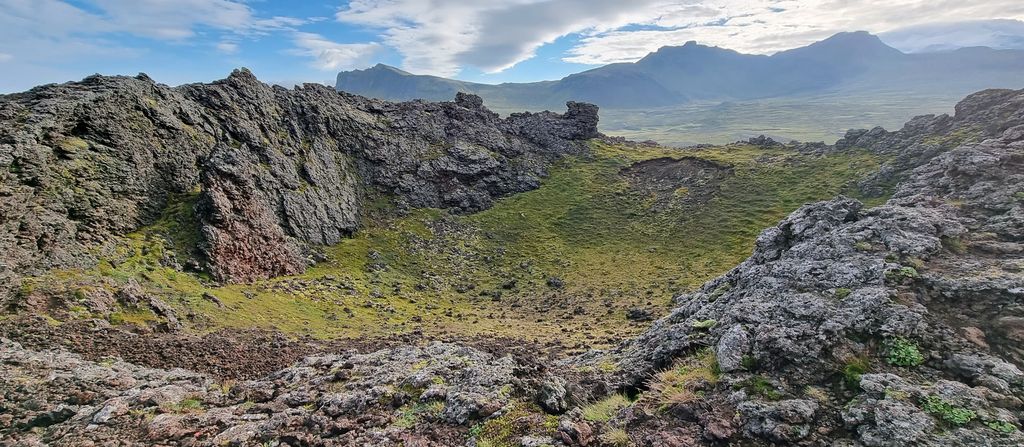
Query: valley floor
x,y
812,118
583,262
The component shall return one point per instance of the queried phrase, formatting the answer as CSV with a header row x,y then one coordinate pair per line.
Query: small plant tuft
x,y
748,362
816,393
605,409
615,437
684,382
940,408
760,386
903,352
954,244
719,291
1001,426
855,367
189,405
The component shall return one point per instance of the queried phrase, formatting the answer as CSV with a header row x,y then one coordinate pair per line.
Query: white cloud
x,y
333,56
174,19
442,37
57,40
1000,34
227,47
27,27
4,57
765,26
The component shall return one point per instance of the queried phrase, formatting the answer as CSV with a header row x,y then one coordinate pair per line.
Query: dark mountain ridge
x,y
851,63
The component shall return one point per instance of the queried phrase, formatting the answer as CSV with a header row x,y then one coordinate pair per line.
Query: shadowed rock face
x,y
278,171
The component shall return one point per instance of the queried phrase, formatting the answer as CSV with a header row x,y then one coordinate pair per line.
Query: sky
x,y
491,41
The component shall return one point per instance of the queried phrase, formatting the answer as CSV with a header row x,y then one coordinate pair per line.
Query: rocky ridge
x,y
278,172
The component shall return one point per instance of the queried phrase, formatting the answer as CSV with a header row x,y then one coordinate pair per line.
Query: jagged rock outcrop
x,y
980,116
933,277
278,171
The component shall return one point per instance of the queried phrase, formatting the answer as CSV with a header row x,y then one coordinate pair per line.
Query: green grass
x,y
614,245
615,437
681,384
189,405
603,410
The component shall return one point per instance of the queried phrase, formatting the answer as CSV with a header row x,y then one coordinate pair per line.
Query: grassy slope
x,y
488,273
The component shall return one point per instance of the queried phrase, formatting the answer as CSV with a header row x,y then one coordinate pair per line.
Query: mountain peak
x,y
858,41
690,49
845,49
387,68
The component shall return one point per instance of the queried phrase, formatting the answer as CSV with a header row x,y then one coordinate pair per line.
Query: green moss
x,y
903,352
940,408
842,293
518,420
704,324
138,317
603,410
903,273
863,246
73,144
896,394
607,366
719,291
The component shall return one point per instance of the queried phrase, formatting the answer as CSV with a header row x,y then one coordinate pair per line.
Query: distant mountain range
x,y
856,63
